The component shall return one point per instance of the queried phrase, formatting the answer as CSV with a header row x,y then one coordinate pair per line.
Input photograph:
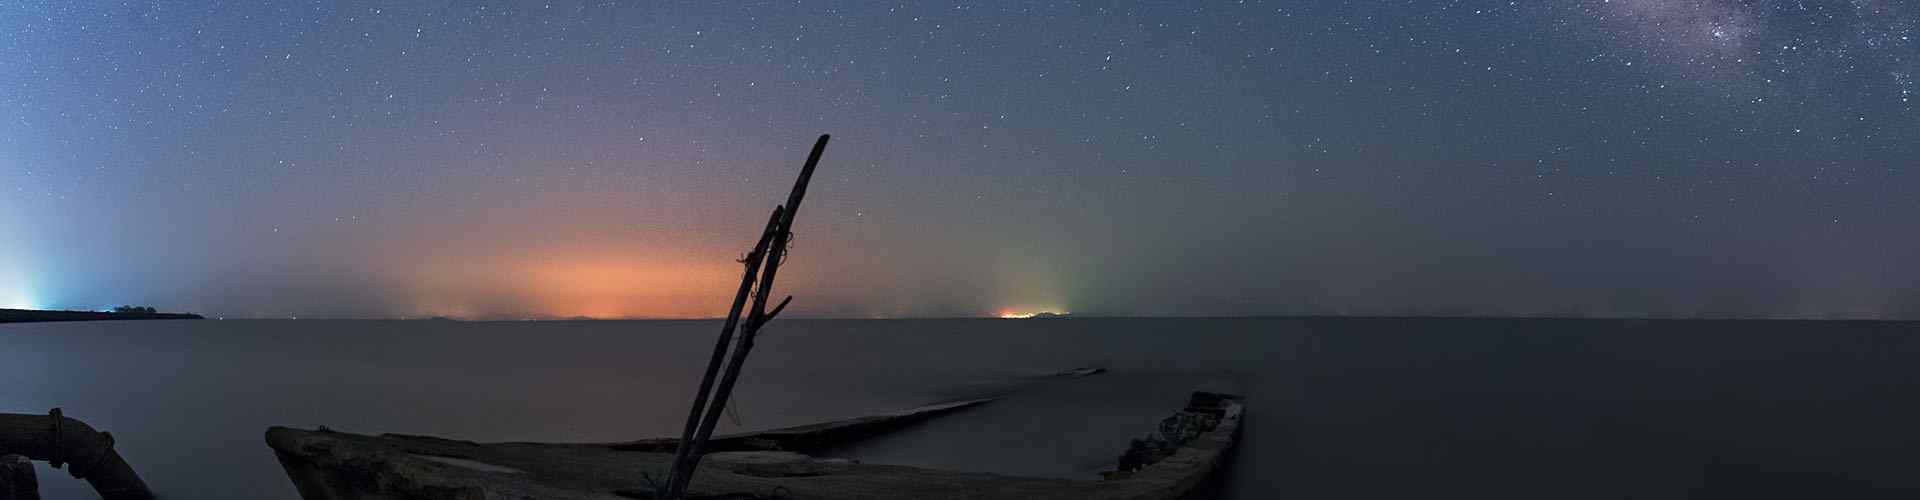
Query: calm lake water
x,y
1339,408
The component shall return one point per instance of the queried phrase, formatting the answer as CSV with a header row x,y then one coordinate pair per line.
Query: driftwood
x,y
86,453
765,258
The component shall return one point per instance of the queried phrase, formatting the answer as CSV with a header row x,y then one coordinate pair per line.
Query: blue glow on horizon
x,y
17,299
16,292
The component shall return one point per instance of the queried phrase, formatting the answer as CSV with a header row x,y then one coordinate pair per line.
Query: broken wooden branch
x,y
752,262
766,257
777,309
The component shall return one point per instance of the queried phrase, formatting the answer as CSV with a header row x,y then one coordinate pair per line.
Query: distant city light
x,y
16,289
1026,315
17,299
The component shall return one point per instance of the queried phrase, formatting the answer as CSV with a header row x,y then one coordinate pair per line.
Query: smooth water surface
x,y
1340,408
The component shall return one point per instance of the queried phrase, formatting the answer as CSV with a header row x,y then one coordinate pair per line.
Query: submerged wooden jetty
x,y
329,465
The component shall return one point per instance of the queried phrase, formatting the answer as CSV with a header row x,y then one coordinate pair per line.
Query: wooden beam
x,y
687,458
694,413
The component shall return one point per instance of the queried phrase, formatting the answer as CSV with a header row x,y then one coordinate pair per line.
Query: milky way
x,y
1767,40
1694,30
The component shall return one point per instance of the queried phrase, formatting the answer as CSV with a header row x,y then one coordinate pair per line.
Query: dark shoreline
x,y
33,316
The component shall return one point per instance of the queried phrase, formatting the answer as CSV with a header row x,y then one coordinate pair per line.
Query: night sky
x,y
519,159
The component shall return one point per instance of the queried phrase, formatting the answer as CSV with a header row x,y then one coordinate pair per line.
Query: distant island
x,y
117,314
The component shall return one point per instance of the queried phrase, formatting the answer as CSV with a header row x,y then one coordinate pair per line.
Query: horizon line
x,y
1070,317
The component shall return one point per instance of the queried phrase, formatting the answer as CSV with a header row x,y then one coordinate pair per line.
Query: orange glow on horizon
x,y
629,288
563,284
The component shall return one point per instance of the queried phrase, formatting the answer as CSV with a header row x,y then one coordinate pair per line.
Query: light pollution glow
x,y
17,299
1009,314
15,292
608,286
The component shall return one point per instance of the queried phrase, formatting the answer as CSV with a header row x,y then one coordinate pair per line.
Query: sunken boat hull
x,y
328,465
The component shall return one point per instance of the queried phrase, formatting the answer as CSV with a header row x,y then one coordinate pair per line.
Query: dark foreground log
x,y
86,453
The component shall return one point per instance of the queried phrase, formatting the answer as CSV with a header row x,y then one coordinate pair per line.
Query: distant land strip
x,y
30,316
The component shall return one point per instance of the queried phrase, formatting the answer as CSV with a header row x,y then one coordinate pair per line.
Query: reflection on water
x,y
1339,408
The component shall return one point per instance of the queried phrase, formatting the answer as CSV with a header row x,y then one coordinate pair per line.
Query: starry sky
x,y
527,159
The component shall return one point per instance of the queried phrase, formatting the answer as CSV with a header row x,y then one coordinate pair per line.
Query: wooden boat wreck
x,y
327,465
330,465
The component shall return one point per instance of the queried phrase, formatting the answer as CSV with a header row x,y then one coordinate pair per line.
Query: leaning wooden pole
x,y
752,262
709,408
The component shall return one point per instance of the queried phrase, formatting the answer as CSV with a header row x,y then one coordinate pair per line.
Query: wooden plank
x,y
688,457
811,437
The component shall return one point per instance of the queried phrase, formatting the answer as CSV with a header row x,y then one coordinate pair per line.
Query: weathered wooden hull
x,y
327,465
